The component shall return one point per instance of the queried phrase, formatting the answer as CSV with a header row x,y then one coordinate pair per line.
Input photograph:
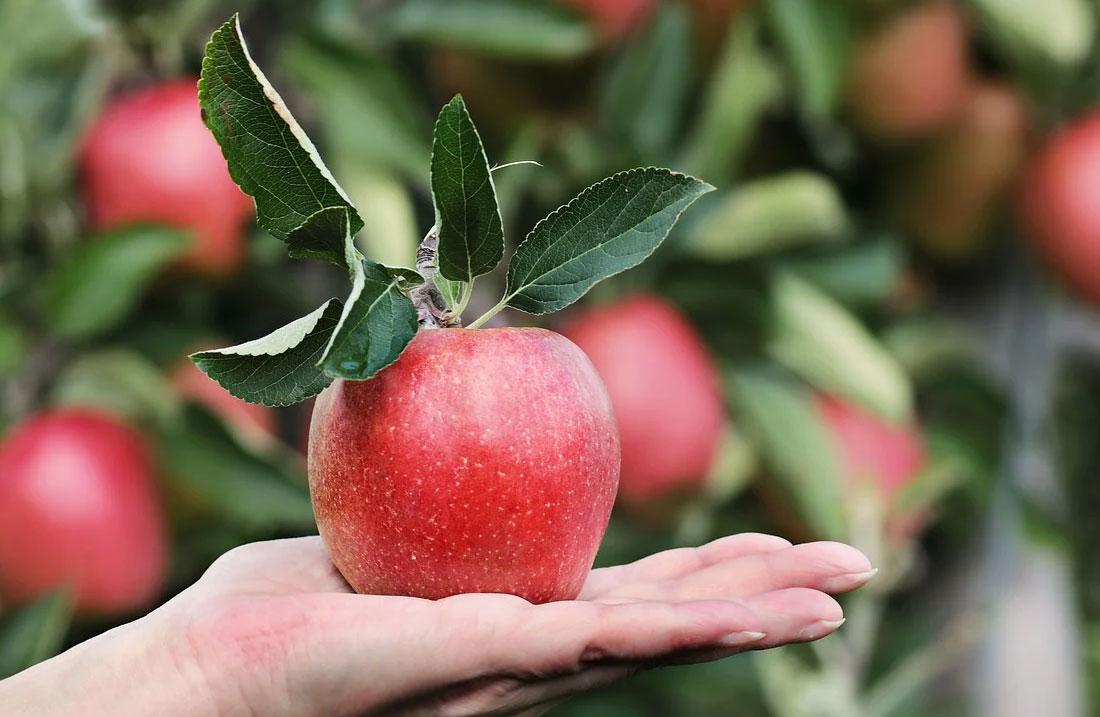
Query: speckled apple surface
x,y
482,460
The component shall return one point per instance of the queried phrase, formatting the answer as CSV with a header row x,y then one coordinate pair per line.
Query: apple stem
x,y
479,321
431,308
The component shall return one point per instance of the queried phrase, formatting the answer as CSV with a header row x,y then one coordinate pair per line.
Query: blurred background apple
x,y
881,328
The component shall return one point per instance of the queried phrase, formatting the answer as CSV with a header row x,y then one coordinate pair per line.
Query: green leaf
x,y
781,419
817,338
118,380
365,107
40,33
34,633
406,278
269,154
863,274
202,459
377,323
102,282
1054,31
816,36
280,368
321,236
534,29
644,99
13,347
773,213
743,86
471,237
451,290
608,228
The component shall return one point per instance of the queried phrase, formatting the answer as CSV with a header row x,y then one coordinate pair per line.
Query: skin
x,y
273,629
480,461
664,390
78,507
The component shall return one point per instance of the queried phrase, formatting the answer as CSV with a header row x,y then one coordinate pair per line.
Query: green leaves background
x,y
792,269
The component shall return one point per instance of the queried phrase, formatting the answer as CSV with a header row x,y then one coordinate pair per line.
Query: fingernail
x,y
736,639
819,629
850,581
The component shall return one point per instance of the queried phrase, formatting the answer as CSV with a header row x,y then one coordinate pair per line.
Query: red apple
x,y
909,78
664,389
1060,207
78,507
615,19
948,197
254,422
871,450
482,460
148,157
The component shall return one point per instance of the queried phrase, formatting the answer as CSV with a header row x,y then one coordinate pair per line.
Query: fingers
x,y
825,566
509,695
377,650
671,564
795,615
292,565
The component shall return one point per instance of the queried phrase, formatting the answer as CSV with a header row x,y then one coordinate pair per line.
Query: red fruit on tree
x,y
148,157
1059,206
78,508
871,450
947,199
909,78
615,19
252,420
482,460
664,389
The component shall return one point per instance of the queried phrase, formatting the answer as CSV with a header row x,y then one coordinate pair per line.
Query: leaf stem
x,y
476,323
463,300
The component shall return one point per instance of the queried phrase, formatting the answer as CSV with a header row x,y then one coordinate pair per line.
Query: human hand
x,y
273,629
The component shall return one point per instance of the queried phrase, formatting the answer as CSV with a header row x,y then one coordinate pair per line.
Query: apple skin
x,y
1059,207
482,460
615,19
869,448
148,157
665,392
909,78
947,199
78,507
253,421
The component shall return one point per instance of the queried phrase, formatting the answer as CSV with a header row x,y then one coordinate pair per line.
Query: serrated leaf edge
x,y
470,276
277,104
510,294
358,284
306,324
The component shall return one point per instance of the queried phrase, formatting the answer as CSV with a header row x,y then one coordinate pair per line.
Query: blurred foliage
x,y
795,273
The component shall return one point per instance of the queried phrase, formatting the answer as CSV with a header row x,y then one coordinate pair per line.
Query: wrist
x,y
133,669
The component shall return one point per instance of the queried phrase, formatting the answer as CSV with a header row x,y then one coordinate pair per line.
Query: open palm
x,y
276,630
